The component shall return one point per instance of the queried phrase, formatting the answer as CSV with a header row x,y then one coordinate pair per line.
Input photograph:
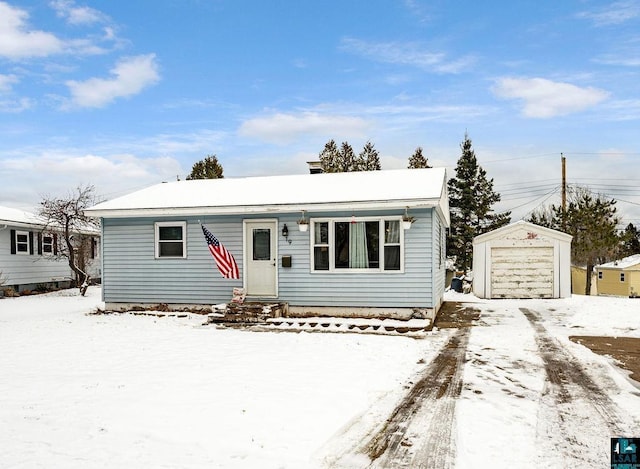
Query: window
x,y
171,239
47,244
600,275
22,242
622,276
357,244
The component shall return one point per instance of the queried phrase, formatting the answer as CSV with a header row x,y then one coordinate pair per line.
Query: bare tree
x,y
65,217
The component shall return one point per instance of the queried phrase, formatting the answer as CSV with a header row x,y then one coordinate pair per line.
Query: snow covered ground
x,y
121,391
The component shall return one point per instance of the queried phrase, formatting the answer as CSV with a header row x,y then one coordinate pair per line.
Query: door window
x,y
261,244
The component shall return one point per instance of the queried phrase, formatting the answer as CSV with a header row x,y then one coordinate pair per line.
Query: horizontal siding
x,y
20,269
131,273
413,288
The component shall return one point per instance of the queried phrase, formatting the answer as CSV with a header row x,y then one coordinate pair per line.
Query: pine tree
x,y
630,241
368,160
591,220
329,157
348,160
417,160
471,198
209,168
344,160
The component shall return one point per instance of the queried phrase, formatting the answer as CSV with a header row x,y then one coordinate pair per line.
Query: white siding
x,y
32,269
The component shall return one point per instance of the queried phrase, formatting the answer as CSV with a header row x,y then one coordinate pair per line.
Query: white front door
x,y
261,271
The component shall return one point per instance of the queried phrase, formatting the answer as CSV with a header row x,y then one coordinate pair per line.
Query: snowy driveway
x,y
508,392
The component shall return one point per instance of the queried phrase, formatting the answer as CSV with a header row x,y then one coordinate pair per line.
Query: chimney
x,y
315,167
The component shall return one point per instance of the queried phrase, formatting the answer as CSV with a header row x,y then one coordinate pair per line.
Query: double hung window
x,y
47,244
171,239
22,242
369,244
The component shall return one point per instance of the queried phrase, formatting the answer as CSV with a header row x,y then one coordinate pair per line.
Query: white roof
x,y
398,188
17,217
521,224
629,261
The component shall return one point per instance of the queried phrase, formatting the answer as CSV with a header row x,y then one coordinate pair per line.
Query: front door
x,y
261,257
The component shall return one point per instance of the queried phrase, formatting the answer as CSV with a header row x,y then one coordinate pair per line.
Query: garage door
x,y
522,272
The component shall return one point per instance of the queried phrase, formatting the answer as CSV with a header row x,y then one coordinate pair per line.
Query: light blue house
x,y
350,255
28,253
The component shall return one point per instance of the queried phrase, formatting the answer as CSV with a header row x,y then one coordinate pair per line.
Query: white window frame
x,y
331,245
622,277
161,224
49,244
600,275
18,251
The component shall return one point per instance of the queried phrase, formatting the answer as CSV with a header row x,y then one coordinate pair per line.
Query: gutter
x,y
261,209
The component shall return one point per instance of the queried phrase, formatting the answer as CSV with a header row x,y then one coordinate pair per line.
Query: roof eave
x,y
258,209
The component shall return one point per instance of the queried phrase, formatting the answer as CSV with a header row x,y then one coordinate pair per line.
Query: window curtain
x,y
358,255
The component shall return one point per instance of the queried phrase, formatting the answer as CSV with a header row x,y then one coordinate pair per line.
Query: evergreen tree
x,y
348,161
471,198
591,220
330,157
630,241
417,160
209,168
368,160
344,160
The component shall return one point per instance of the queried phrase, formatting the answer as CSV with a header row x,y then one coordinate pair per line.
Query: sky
x,y
123,95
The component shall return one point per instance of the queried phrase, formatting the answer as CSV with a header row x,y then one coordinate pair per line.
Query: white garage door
x,y
522,272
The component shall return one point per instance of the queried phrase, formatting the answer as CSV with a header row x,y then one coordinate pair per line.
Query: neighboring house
x,y
28,253
355,258
579,281
620,278
522,260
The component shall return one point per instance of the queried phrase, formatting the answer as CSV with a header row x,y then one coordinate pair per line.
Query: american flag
x,y
225,261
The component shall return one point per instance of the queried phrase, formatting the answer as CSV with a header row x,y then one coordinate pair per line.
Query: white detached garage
x,y
522,260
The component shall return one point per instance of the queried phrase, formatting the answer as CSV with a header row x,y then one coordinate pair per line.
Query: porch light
x,y
407,221
285,232
303,223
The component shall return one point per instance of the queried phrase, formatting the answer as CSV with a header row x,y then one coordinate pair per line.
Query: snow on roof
x,y
622,263
16,216
397,188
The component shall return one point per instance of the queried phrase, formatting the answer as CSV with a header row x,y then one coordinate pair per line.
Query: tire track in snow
x,y
576,416
418,432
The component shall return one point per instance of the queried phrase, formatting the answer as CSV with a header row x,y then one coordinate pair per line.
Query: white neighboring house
x,y
522,260
28,253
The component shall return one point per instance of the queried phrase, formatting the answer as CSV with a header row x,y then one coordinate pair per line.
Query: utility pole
x,y
564,189
564,182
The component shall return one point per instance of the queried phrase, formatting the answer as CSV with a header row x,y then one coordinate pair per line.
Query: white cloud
x,y
77,15
614,13
15,105
406,54
545,98
55,173
6,81
130,77
17,41
283,128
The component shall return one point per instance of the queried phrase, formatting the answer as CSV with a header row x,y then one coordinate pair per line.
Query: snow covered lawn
x,y
80,391
121,391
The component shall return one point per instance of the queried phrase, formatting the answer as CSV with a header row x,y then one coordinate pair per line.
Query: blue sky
x,y
122,95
